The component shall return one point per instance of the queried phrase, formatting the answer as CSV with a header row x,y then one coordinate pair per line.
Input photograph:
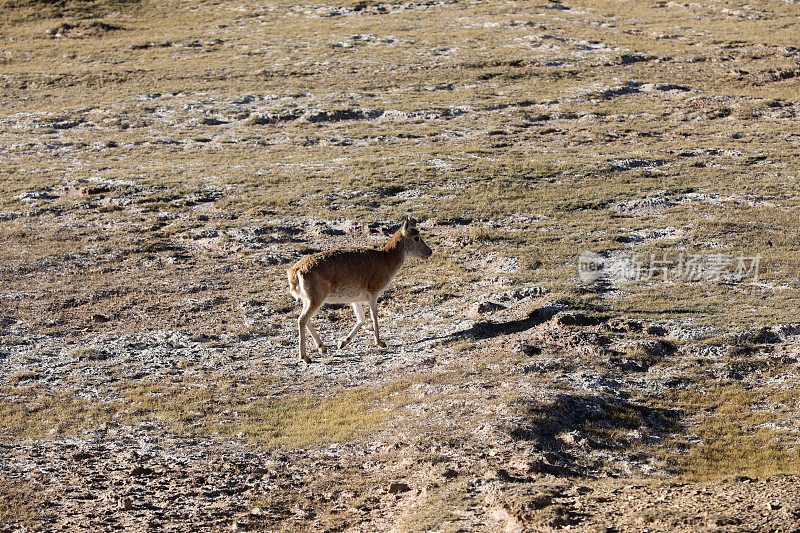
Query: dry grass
x,y
439,510
19,506
735,434
222,407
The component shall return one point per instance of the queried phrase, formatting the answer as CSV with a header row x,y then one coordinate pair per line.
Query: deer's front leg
x,y
373,310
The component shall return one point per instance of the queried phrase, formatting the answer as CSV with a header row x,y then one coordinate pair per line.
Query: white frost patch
x,y
439,163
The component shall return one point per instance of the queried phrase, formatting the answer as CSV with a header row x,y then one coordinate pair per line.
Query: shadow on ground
x,y
488,329
572,425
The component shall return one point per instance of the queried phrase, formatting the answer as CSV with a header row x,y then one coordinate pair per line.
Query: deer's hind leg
x,y
315,336
311,303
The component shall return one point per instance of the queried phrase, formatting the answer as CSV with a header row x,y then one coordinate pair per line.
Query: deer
x,y
351,276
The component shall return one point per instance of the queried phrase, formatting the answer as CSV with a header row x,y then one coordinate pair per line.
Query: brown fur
x,y
350,276
371,268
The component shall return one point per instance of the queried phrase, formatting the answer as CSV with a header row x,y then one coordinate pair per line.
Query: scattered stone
x,y
656,330
643,207
529,350
398,487
629,163
100,318
140,471
524,292
576,319
486,307
663,87
449,473
82,28
90,190
341,115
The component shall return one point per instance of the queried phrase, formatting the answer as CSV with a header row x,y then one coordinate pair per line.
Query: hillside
x,y
605,338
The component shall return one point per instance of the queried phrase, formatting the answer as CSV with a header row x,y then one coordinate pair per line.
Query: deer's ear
x,y
407,224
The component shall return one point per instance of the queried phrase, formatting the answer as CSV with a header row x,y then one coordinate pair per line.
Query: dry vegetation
x,y
164,162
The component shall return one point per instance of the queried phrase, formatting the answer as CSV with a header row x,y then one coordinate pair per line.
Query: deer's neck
x,y
395,252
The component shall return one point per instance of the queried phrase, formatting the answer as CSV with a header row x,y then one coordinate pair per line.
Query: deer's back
x,y
345,275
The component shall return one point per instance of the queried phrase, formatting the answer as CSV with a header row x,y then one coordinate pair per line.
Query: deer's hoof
x,y
341,344
305,358
380,344
322,349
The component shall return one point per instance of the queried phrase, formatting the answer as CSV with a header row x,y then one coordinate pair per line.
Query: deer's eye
x,y
416,238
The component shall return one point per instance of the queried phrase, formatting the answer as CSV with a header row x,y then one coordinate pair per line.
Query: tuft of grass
x,y
23,375
31,414
439,510
88,353
646,356
205,407
33,10
18,507
736,434
303,421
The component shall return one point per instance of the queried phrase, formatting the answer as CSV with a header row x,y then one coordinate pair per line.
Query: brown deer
x,y
353,277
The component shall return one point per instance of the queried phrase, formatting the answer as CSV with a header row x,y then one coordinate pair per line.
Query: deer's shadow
x,y
488,329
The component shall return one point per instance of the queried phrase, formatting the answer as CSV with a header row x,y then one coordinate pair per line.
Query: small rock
x,y
529,350
449,473
574,438
527,292
126,503
576,319
140,471
545,312
94,189
130,455
529,465
397,487
482,308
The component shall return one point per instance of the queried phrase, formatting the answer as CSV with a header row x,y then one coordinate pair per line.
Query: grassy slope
x,y
547,105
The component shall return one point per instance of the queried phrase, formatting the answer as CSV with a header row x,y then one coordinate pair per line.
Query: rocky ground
x,y
541,422
164,163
